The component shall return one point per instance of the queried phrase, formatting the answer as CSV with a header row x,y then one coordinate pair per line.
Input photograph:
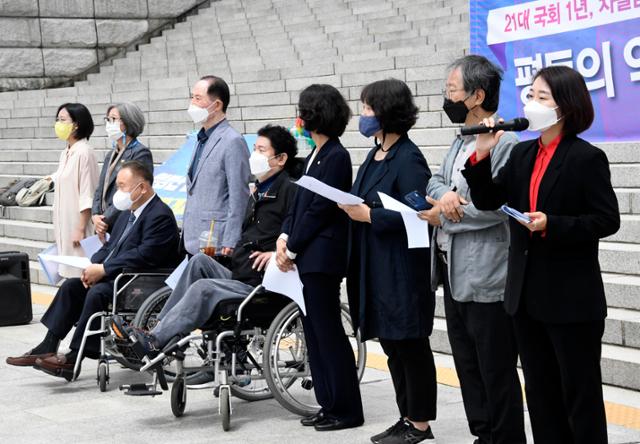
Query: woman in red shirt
x,y
554,289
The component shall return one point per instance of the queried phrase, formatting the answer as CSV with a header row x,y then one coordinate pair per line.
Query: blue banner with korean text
x,y
598,38
170,178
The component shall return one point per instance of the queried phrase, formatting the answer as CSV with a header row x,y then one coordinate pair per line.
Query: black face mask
x,y
456,111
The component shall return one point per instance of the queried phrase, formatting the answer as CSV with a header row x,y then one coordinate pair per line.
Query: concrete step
x,y
623,291
618,257
27,230
37,275
629,231
625,175
52,156
33,214
628,200
622,326
31,247
620,365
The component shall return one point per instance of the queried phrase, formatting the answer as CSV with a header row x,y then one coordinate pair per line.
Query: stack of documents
x,y
49,259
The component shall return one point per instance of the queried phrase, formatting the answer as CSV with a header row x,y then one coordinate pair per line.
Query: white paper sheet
x,y
71,261
91,244
288,284
417,229
331,193
174,277
50,268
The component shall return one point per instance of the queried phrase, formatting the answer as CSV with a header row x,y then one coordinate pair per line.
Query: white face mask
x,y
122,199
259,164
113,131
197,114
540,117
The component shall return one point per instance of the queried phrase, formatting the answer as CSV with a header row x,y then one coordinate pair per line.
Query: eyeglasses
x,y
111,120
447,92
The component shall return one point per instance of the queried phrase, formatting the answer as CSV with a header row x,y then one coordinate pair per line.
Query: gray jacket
x,y
219,190
478,245
134,151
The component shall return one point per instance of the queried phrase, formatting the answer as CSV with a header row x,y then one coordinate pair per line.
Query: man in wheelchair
x,y
205,281
145,235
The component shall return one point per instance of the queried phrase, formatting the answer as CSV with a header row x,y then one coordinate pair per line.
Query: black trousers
x,y
563,382
331,358
485,356
75,304
413,373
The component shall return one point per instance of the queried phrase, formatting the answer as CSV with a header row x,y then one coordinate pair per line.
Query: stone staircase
x,y
269,50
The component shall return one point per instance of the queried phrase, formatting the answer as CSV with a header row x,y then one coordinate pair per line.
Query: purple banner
x,y
598,38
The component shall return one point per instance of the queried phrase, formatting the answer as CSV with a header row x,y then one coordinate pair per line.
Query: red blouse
x,y
545,153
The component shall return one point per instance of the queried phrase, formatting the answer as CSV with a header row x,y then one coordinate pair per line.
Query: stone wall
x,y
45,43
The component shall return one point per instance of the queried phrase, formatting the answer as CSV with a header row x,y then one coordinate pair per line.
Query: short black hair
x,y
139,169
570,92
479,73
324,110
282,142
81,116
219,89
392,104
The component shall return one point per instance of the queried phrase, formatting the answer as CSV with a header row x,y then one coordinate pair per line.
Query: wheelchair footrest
x,y
140,390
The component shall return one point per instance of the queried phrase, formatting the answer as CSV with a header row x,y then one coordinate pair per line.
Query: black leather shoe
x,y
329,424
313,419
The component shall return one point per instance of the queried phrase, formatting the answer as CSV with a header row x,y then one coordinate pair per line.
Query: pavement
x,y
38,408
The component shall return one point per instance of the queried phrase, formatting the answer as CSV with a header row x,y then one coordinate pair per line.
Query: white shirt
x,y
141,208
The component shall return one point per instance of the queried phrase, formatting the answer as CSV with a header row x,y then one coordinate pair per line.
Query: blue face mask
x,y
369,125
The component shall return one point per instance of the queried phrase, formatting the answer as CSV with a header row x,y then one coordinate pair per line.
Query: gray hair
x,y
132,117
479,73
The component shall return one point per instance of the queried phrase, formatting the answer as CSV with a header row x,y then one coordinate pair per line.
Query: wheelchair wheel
x,y
225,407
287,370
257,389
147,318
359,347
103,376
178,397
147,315
288,373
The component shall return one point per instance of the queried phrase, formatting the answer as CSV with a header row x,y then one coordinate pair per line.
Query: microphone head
x,y
520,124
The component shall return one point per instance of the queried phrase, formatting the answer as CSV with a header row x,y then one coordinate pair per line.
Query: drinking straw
x,y
213,222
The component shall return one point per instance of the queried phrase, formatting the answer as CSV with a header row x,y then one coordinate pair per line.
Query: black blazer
x,y
317,228
134,151
389,284
261,227
556,277
151,243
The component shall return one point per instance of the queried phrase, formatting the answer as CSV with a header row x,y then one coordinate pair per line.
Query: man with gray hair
x,y
469,258
124,122
218,174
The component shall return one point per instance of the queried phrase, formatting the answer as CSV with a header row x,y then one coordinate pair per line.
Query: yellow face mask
x,y
63,130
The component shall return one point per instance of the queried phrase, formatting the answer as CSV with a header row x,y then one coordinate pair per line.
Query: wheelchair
x,y
130,290
253,347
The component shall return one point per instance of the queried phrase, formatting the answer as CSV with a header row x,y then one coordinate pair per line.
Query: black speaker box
x,y
15,289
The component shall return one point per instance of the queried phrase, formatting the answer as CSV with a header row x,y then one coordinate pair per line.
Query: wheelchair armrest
x,y
157,271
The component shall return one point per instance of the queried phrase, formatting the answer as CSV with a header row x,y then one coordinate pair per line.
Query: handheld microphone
x,y
517,124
